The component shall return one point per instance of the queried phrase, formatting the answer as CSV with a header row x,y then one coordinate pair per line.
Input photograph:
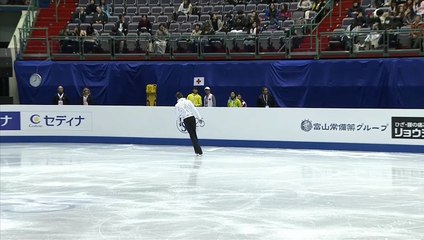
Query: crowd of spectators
x,y
251,23
388,22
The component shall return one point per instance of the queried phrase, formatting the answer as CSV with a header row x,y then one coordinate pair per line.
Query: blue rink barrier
x,y
218,143
365,83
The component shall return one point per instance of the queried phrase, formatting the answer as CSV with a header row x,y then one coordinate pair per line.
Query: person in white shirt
x,y
209,99
185,8
188,114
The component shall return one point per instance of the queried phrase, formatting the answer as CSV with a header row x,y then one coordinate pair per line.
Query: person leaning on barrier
x,y
195,98
86,98
209,99
60,98
233,101
265,99
243,103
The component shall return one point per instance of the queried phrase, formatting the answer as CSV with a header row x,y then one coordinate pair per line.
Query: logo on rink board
x,y
10,121
56,121
408,127
308,125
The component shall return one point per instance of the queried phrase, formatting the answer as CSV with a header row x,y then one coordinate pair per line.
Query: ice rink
x,y
95,191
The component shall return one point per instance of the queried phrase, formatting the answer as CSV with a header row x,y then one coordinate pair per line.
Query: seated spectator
x,y
285,14
271,14
195,37
383,17
233,101
250,42
76,39
254,17
360,20
420,8
417,32
161,39
409,4
416,5
372,40
409,17
86,97
185,9
196,31
118,42
355,10
91,43
121,26
399,17
228,23
240,22
304,5
144,25
99,16
349,39
91,8
207,30
243,103
67,44
105,8
393,6
216,23
79,16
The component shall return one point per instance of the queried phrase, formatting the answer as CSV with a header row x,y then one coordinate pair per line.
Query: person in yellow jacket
x,y
233,101
195,98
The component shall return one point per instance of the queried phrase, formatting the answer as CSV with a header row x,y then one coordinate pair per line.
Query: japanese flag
x,y
199,81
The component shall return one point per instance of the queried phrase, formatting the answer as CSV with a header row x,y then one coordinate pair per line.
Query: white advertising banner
x,y
362,126
56,121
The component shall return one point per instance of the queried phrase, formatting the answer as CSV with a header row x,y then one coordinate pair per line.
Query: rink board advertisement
x,y
253,127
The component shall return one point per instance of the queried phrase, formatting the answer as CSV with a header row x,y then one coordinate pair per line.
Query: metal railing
x,y
277,45
29,20
25,30
57,3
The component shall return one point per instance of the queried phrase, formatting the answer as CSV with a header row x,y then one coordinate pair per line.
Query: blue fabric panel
x,y
365,83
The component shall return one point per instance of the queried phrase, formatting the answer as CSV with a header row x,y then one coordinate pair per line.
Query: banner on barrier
x,y
358,126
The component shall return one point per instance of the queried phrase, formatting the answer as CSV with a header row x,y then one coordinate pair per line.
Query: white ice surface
x,y
93,191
